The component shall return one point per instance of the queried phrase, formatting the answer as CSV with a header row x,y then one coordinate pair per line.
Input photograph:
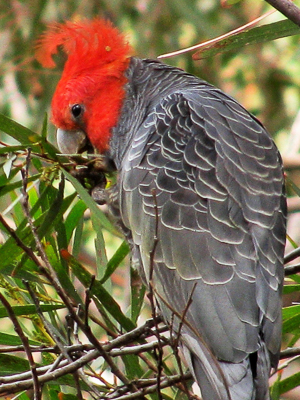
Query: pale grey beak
x,y
70,142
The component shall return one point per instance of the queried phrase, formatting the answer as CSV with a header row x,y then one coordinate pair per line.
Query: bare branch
x,y
291,269
24,339
165,382
291,352
19,242
17,386
292,255
287,8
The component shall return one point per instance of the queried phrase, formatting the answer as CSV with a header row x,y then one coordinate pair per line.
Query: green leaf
x,y
101,257
15,365
132,365
60,268
18,131
12,149
74,217
16,185
90,203
30,309
289,383
77,242
275,389
295,278
22,396
291,289
291,311
12,340
256,35
291,319
45,127
12,365
10,251
99,291
115,261
294,187
28,138
3,178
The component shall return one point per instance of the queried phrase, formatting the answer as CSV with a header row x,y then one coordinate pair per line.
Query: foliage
x,y
81,327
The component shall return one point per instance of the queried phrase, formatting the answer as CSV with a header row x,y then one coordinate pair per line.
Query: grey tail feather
x,y
220,380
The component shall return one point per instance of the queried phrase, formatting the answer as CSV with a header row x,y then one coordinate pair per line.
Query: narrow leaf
x,y
30,309
13,340
256,35
16,185
90,203
11,364
18,131
73,218
115,261
99,291
291,289
289,383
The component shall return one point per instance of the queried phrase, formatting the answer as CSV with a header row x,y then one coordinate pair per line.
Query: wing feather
x,y
213,176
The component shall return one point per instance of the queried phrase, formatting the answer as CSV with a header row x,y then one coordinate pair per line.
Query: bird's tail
x,y
227,381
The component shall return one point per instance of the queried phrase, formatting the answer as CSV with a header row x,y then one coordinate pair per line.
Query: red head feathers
x,y
93,76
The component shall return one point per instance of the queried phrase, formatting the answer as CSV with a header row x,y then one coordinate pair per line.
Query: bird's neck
x,y
146,85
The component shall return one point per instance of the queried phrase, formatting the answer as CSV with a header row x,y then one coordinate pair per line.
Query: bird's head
x,y
88,98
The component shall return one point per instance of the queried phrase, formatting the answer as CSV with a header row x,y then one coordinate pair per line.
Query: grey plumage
x,y
192,155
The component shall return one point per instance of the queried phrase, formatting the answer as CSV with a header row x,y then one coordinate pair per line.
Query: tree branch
x,y
292,255
287,8
24,339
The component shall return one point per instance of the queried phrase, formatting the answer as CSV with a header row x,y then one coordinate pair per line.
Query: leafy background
x,y
64,269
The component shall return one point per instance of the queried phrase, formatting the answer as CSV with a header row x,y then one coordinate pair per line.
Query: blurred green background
x,y
264,78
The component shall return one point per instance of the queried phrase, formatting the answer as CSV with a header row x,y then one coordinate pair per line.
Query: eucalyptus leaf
x,y
100,292
29,309
115,260
256,35
18,131
90,203
13,340
289,383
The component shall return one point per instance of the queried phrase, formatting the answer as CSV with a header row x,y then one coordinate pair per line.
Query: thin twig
x,y
291,269
165,382
135,349
24,339
292,255
27,375
19,242
51,276
52,349
56,338
291,352
17,386
200,339
49,272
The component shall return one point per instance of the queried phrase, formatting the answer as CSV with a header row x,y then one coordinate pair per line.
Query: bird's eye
x,y
76,110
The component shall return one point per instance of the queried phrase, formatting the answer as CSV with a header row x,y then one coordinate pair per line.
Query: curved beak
x,y
71,142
